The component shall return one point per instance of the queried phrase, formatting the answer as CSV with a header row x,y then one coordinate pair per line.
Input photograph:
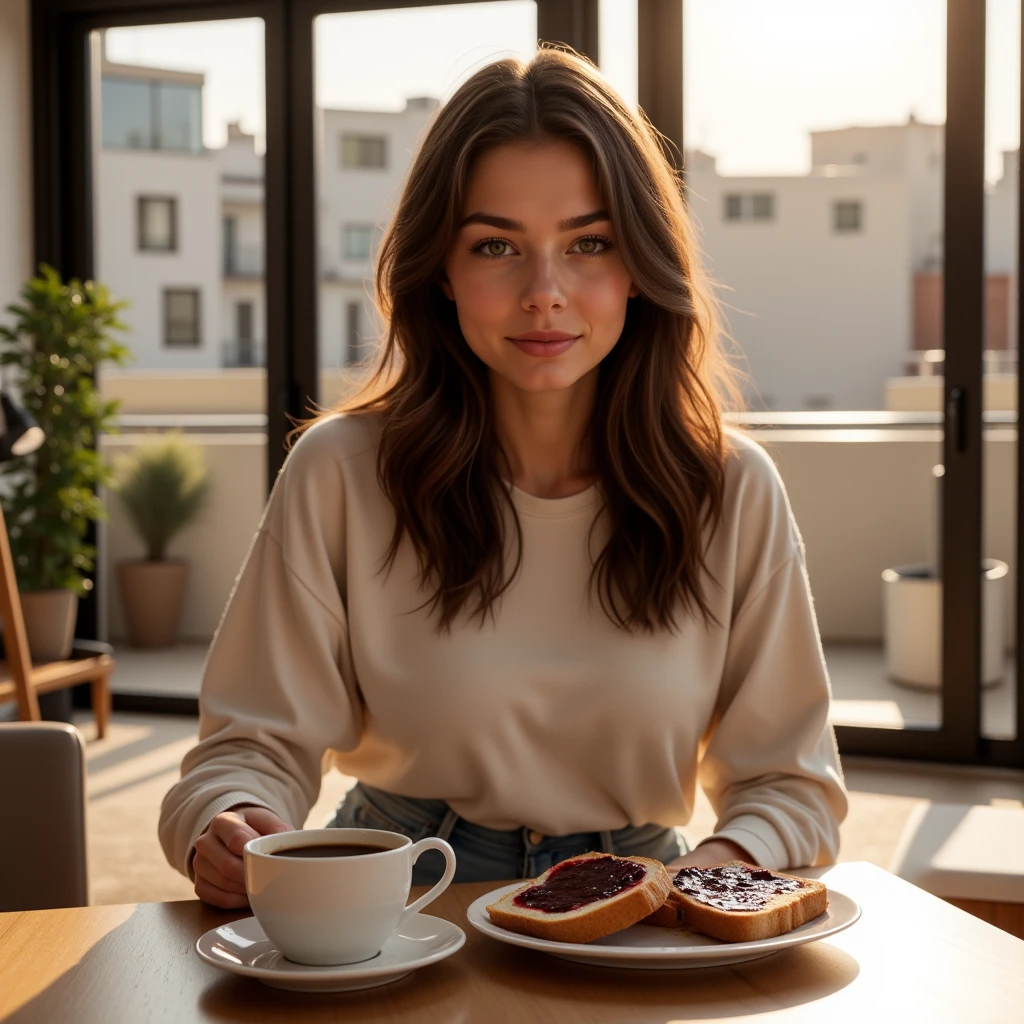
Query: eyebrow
x,y
491,220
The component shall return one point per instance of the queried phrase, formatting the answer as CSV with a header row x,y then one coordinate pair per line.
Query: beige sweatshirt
x,y
549,717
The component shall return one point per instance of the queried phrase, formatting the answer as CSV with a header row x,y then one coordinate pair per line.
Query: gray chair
x,y
42,808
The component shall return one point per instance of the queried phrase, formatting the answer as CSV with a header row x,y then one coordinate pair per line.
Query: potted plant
x,y
61,334
163,486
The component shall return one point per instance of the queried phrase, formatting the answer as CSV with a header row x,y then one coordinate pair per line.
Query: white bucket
x,y
912,597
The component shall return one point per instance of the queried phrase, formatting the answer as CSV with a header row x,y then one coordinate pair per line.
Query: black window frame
x,y
140,239
170,293
64,238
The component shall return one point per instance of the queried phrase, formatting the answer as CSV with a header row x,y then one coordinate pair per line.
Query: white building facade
x,y
829,280
180,228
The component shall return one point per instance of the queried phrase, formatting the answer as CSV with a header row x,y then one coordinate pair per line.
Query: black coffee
x,y
331,850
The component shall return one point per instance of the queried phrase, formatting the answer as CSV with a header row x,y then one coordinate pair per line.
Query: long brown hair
x,y
656,432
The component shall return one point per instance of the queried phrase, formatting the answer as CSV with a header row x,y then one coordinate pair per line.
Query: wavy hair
x,y
656,432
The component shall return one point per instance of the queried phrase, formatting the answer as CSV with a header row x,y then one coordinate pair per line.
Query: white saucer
x,y
648,946
242,947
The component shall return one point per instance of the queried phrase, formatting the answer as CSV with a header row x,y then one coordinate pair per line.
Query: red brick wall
x,y
928,311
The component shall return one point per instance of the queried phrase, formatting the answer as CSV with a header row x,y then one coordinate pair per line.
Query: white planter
x,y
912,599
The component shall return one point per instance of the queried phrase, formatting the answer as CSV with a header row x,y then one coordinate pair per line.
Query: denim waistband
x,y
437,815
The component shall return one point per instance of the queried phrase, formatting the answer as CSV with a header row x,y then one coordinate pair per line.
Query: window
x,y
353,341
364,151
846,216
243,321
158,224
127,114
230,240
357,241
181,317
152,115
756,206
179,119
763,206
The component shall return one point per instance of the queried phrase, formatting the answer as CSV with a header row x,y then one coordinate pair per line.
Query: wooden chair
x,y
22,681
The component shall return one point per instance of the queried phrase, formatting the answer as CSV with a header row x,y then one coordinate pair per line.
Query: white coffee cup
x,y
335,910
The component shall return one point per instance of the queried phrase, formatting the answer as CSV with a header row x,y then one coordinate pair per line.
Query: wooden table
x,y
910,958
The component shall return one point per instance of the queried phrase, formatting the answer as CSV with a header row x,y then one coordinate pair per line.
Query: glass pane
x,y
157,226
1002,170
179,230
127,113
179,117
181,312
372,107
814,145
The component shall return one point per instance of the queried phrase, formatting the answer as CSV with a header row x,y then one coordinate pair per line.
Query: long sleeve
x,y
769,766
277,688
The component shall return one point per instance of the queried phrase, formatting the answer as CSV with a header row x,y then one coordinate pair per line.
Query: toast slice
x,y
584,898
738,902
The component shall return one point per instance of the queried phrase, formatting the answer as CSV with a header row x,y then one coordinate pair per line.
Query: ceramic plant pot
x,y
152,596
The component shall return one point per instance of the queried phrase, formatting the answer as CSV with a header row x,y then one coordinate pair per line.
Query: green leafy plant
x,y
164,485
61,333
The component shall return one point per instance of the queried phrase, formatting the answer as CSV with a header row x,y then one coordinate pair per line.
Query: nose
x,y
543,290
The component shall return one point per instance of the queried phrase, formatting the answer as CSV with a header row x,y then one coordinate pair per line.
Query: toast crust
x,y
592,921
782,914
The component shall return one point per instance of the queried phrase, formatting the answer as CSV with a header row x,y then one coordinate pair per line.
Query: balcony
x,y
246,260
242,352
860,484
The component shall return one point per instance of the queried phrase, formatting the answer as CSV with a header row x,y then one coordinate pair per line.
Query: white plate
x,y
647,946
243,948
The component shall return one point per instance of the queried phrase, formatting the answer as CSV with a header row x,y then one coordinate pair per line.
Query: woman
x,y
525,589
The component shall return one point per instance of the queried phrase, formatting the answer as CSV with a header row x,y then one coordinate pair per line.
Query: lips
x,y
545,336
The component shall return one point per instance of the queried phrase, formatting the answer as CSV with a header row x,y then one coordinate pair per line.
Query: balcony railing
x,y
930,362
244,260
237,352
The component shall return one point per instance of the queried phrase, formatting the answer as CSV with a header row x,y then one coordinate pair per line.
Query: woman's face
x,y
534,271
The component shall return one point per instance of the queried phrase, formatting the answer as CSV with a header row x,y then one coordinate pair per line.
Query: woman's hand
x,y
714,851
220,874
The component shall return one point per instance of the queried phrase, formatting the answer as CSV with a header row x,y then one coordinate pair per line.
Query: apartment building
x,y
180,227
831,280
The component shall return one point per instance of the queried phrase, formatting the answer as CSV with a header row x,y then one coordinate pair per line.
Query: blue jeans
x,y
487,854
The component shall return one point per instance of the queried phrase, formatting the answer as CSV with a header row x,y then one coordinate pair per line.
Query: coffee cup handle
x,y
431,843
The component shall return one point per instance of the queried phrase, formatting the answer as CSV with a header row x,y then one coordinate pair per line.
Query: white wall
x,y
140,277
358,196
864,501
215,545
15,152
815,312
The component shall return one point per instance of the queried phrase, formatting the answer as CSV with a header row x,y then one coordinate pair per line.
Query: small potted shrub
x,y
163,486
61,334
